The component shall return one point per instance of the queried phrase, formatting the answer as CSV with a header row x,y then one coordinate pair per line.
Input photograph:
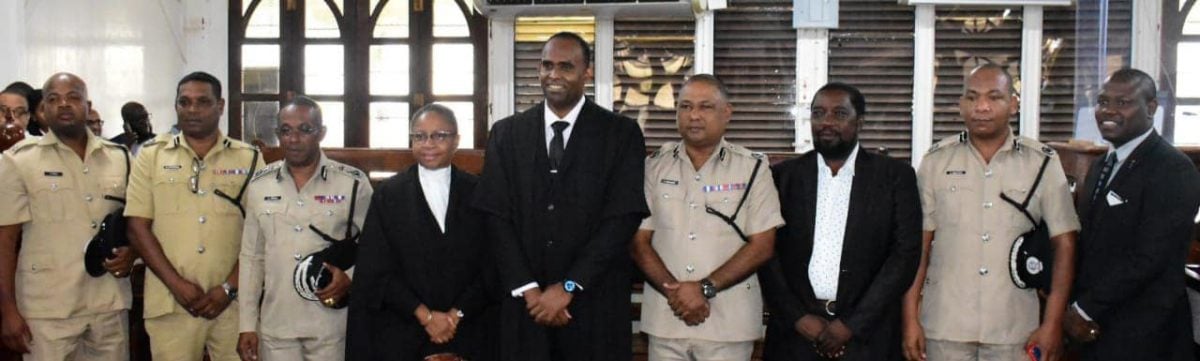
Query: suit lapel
x,y
808,171
1131,164
582,127
860,192
452,205
422,204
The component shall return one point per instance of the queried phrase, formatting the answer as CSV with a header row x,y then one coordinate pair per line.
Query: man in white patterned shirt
x,y
851,244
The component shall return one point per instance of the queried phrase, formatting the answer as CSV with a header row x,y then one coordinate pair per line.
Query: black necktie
x,y
556,144
1105,172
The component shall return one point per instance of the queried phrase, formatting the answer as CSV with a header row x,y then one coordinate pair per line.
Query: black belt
x,y
828,306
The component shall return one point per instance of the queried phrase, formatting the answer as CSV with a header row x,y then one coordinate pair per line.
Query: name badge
x,y
272,198
669,181
173,167
53,174
956,172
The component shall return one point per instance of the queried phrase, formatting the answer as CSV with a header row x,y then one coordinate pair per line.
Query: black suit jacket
x,y
880,252
405,260
1131,255
573,225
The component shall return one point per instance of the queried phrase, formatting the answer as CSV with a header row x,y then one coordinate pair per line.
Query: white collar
x,y
1126,149
440,174
847,168
549,117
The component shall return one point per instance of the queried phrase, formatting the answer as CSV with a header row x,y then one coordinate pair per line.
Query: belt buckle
x,y
830,306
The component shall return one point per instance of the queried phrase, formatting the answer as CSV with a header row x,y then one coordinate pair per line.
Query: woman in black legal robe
x,y
419,287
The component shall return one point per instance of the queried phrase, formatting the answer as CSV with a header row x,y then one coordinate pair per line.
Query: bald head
x,y
65,105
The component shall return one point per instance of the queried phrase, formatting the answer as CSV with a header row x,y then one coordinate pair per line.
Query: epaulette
x,y
957,139
261,173
1020,143
111,144
23,145
350,171
672,148
758,155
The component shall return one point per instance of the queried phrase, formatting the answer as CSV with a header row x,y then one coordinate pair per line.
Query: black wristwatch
x,y
708,288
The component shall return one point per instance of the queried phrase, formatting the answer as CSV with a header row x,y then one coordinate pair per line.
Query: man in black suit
x,y
1137,210
562,190
419,283
851,244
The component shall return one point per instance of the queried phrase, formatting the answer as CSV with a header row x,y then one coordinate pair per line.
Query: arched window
x,y
369,63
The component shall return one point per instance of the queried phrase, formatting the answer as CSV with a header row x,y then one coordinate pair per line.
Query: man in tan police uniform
x,y
185,219
966,301
53,195
702,300
303,189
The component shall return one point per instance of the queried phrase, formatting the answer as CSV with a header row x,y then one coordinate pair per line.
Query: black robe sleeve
x,y
492,197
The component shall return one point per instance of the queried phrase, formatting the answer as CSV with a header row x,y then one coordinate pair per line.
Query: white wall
x,y
124,49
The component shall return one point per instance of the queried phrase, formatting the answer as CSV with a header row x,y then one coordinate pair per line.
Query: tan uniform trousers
x,y
326,348
100,337
941,350
178,336
685,349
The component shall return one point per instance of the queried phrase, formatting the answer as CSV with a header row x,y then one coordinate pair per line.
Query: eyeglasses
x,y
14,112
194,181
436,137
303,129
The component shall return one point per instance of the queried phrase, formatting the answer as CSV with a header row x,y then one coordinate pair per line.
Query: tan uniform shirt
x,y
59,200
969,295
693,243
200,232
277,236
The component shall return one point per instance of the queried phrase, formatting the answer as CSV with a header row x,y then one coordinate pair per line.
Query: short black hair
x,y
445,112
133,111
856,97
201,77
1144,82
710,80
583,44
305,101
1012,87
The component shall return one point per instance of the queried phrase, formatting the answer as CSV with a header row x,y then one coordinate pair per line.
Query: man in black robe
x,y
562,193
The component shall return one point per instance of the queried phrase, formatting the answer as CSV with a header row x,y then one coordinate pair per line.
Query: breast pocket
x,y
1017,218
331,218
725,203
113,186
169,190
668,206
228,187
49,199
951,196
270,217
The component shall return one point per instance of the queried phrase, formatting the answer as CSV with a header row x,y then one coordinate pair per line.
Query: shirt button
x,y
296,256
692,204
200,192
329,212
690,269
200,249
53,186
692,236
987,204
987,173
202,219
666,196
94,224
725,200
986,237
87,198
983,271
300,203
953,188
297,228
697,177
550,207
86,170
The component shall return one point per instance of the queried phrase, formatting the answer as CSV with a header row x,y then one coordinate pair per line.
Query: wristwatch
x,y
459,314
571,287
708,288
230,291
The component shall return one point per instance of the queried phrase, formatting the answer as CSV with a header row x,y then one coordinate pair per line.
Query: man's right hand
x,y
688,301
532,297
1078,328
810,326
914,341
187,294
248,346
15,332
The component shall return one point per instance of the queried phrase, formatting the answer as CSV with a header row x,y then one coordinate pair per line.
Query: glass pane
x,y
1191,26
323,74
389,125
465,113
448,19
965,38
393,20
1187,125
258,122
1188,77
264,22
453,69
319,21
334,115
260,69
389,69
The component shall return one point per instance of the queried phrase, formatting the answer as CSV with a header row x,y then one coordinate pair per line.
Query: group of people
x,y
854,255
19,103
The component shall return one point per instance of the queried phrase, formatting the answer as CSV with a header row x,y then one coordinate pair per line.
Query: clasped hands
x,y
829,338
548,307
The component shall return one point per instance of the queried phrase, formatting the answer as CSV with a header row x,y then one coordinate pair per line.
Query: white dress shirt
x,y
435,183
829,229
